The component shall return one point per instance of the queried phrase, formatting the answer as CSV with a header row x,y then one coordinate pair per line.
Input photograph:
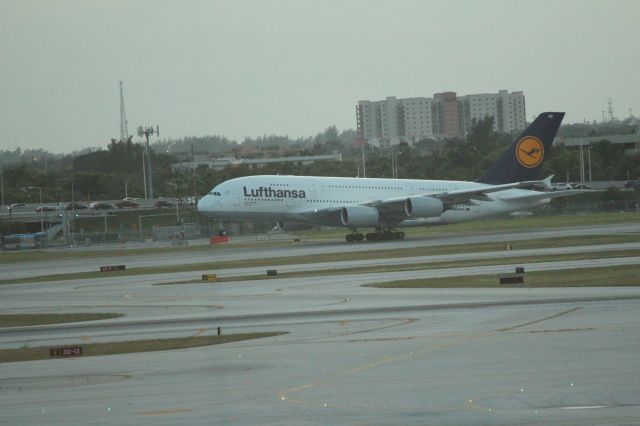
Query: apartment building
x,y
444,116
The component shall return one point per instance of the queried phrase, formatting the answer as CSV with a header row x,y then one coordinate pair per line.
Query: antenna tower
x,y
124,133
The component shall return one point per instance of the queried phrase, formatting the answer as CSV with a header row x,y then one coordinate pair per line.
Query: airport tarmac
x,y
352,355
231,253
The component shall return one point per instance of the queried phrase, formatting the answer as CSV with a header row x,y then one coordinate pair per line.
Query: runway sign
x,y
65,352
112,268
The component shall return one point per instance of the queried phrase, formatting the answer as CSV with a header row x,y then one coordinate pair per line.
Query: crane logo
x,y
530,152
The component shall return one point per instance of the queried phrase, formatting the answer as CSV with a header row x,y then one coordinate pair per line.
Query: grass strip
x,y
20,320
612,276
114,348
39,255
423,266
332,257
485,225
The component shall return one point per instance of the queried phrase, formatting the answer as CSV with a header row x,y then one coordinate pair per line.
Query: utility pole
x,y
39,188
2,186
364,168
144,174
124,132
582,153
146,131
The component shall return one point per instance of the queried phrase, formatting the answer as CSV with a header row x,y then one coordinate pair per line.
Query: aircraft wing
x,y
480,194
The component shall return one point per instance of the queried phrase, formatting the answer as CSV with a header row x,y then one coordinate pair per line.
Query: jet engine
x,y
294,226
423,207
356,216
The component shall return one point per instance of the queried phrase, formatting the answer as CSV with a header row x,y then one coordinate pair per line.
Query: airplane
x,y
301,202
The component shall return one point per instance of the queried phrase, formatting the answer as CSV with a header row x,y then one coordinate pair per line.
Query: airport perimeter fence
x,y
174,234
181,234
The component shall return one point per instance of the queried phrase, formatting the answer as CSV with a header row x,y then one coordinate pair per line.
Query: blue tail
x,y
523,160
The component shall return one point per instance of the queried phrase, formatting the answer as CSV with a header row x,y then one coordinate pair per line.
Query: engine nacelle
x,y
423,207
355,216
294,226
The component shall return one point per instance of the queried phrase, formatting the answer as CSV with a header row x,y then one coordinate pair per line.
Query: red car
x,y
45,209
127,204
99,205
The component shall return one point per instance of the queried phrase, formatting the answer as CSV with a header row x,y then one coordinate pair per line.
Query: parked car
x,y
127,204
581,186
163,203
100,205
561,186
41,209
75,206
632,184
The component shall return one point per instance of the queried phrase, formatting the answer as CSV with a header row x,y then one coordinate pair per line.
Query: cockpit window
x,y
216,194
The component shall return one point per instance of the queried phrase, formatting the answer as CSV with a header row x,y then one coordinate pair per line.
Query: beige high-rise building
x,y
442,117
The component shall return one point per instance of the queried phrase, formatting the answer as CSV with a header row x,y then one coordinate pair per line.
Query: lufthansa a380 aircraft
x,y
299,202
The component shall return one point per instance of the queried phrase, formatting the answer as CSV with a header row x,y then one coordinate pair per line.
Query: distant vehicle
x,y
99,205
41,209
130,199
581,186
75,206
632,184
163,203
127,204
14,205
561,186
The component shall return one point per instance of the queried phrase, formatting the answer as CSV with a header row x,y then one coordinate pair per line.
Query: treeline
x,y
116,172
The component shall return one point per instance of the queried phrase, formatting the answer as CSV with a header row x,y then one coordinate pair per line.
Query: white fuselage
x,y
283,198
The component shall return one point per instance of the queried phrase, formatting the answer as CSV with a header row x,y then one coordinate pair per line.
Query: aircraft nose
x,y
204,203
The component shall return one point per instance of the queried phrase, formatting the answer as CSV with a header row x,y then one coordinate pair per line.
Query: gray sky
x,y
250,67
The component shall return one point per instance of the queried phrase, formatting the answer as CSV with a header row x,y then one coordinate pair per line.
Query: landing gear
x,y
354,237
380,235
222,232
385,235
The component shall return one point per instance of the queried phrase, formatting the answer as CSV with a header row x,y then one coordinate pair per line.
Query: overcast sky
x,y
258,67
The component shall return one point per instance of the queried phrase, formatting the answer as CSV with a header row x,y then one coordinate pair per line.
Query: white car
x,y
561,186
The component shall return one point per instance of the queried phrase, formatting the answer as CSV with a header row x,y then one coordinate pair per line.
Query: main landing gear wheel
x,y
385,235
355,237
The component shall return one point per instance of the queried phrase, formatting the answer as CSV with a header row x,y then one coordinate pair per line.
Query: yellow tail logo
x,y
530,151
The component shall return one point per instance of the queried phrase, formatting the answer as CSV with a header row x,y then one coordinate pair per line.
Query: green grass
x,y
612,276
19,320
485,225
40,255
516,261
113,348
332,257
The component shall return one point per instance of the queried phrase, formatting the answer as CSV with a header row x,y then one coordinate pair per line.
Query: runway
x,y
353,355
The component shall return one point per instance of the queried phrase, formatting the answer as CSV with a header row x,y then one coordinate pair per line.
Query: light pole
x,y
2,186
146,131
39,188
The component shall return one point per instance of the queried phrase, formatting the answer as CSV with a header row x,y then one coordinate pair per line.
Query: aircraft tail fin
x,y
523,160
